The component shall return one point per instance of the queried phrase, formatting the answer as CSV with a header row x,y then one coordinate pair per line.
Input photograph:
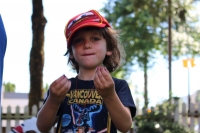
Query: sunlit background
x,y
16,15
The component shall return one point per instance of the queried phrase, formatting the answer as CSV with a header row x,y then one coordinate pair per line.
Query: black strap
x,y
60,117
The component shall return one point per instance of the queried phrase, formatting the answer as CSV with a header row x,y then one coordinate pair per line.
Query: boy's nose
x,y
87,44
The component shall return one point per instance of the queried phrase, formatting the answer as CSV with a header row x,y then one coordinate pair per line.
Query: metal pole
x,y
169,49
189,90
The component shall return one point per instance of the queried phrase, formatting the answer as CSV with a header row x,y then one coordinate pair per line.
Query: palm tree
x,y
36,63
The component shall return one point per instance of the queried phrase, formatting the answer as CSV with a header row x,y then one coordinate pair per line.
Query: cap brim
x,y
90,24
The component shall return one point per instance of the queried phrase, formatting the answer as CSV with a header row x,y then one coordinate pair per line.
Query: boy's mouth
x,y
87,54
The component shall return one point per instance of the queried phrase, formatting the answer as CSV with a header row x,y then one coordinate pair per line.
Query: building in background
x,y
14,99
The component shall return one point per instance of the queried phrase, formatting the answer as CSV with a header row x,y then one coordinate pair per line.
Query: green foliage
x,y
9,87
136,26
144,26
159,120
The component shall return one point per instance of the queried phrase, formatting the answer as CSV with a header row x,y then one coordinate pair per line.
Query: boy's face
x,y
89,48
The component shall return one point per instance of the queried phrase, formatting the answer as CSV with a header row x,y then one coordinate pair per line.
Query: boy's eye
x,y
78,40
96,38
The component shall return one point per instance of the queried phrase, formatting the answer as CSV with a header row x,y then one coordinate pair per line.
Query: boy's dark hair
x,y
111,36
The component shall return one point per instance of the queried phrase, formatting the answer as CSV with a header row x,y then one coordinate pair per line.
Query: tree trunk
x,y
146,102
36,63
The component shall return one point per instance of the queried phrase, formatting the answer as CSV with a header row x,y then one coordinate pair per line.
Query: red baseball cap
x,y
89,18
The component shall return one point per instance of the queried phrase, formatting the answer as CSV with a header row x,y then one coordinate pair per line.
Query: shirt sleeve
x,y
124,94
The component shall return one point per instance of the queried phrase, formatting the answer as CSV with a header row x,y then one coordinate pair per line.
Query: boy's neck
x,y
86,74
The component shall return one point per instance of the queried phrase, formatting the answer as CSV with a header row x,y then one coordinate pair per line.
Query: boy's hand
x,y
58,89
103,82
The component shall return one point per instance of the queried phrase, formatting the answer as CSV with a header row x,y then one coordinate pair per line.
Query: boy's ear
x,y
108,53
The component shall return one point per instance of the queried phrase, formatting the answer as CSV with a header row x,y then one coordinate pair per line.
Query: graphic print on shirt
x,y
84,112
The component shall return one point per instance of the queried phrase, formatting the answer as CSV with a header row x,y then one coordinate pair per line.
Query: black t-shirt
x,y
83,108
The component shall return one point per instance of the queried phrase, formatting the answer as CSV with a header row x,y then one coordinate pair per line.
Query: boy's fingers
x,y
102,73
59,79
96,80
106,74
65,87
62,77
68,85
59,83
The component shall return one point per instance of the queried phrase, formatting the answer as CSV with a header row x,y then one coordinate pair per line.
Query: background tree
x,y
144,31
9,87
37,53
139,35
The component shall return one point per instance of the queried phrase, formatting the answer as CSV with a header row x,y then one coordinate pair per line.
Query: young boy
x,y
93,101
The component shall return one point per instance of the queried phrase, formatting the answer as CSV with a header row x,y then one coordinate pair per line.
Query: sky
x,y
16,16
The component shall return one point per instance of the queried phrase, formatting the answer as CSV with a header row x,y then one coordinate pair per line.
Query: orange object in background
x,y
192,62
185,63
